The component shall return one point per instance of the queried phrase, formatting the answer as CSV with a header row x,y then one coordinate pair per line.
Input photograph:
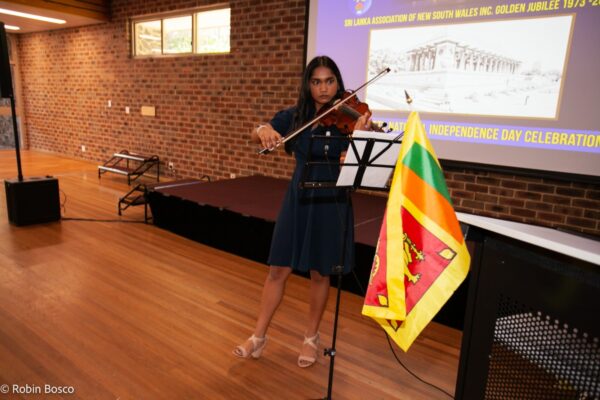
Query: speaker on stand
x,y
33,200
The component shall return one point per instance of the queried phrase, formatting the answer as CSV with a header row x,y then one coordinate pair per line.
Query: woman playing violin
x,y
309,229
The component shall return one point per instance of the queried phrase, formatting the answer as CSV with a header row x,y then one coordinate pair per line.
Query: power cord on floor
x,y
103,220
64,210
63,205
412,373
394,353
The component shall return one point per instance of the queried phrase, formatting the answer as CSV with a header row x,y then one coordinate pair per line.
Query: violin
x,y
344,116
341,108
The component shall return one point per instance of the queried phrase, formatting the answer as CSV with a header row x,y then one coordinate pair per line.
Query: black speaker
x,y
531,326
6,89
32,200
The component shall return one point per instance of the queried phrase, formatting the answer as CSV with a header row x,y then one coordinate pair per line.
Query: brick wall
x,y
554,203
206,106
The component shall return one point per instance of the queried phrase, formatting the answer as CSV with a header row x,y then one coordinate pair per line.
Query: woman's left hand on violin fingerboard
x,y
364,123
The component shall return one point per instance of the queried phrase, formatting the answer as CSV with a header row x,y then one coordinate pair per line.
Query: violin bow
x,y
292,135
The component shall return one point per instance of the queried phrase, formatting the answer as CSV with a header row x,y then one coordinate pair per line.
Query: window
x,y
177,35
195,32
147,36
212,32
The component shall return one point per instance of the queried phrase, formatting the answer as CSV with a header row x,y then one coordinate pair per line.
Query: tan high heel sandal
x,y
312,342
258,345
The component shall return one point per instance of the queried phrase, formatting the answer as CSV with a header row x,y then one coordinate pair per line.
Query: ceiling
x,y
75,13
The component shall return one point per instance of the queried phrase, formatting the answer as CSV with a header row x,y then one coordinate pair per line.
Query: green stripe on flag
x,y
424,165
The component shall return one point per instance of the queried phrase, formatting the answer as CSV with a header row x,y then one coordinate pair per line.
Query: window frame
x,y
174,14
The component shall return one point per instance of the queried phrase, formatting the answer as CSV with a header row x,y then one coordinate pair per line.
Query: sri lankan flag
x,y
421,256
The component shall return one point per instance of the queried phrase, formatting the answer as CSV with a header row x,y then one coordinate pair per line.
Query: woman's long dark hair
x,y
305,106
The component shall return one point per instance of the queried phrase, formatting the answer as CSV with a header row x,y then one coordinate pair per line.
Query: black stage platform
x,y
238,216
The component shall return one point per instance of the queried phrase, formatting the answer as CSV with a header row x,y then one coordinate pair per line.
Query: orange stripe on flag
x,y
431,203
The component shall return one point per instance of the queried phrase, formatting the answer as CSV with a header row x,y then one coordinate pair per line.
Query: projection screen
x,y
496,82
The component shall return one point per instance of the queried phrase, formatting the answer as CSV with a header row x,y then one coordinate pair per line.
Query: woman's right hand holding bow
x,y
268,137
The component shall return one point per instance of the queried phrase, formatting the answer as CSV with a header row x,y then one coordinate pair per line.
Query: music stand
x,y
369,163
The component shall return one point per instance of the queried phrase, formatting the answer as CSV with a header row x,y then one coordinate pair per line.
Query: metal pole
x,y
339,269
16,133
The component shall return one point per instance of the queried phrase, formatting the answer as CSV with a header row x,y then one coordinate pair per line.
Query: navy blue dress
x,y
309,228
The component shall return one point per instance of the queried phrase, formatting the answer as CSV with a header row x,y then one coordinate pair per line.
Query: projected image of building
x,y
465,69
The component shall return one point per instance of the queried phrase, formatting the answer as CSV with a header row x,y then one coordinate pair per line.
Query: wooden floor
x,y
129,311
